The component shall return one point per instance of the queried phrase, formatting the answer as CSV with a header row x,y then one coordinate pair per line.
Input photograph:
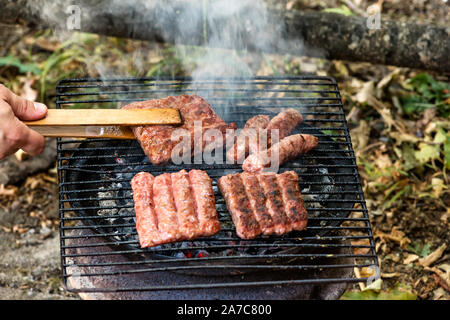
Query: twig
x,y
353,7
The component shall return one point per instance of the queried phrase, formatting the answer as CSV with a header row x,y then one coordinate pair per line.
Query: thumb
x,y
25,109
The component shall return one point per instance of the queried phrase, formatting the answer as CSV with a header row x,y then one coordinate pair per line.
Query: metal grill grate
x,y
98,235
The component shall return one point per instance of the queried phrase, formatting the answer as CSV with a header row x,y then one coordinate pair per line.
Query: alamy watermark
x,y
200,145
373,21
73,21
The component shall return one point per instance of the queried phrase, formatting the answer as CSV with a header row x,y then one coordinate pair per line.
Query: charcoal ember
x,y
201,254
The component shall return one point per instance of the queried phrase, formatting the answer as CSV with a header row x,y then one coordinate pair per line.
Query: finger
x,y
19,136
22,108
34,143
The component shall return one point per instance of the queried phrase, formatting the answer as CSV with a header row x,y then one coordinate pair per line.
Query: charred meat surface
x,y
257,133
157,141
284,122
174,207
248,139
287,149
264,203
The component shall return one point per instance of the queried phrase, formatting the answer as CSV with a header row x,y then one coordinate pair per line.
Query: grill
x,y
98,235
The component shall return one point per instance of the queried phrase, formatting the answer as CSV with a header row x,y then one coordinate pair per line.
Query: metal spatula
x,y
101,123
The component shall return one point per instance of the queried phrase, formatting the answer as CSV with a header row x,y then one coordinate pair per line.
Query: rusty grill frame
x,y
320,102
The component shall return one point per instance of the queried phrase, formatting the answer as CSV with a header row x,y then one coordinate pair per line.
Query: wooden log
x,y
326,35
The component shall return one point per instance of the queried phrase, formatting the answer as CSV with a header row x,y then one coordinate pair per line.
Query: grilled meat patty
x,y
257,132
174,207
264,203
288,148
157,142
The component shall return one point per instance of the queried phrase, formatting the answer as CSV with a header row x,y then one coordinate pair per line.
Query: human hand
x,y
14,134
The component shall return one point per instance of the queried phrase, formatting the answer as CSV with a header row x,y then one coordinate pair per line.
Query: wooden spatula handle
x,y
115,132
101,123
108,117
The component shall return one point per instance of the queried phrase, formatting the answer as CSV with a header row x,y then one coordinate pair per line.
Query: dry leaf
x,y
432,257
362,242
396,236
410,258
21,155
390,275
27,92
7,191
443,277
438,187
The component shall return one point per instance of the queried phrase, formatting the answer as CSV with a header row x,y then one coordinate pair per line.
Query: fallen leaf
x,y
443,278
395,235
432,257
374,286
438,186
438,293
27,92
427,152
7,191
410,258
362,242
21,155
390,275
385,81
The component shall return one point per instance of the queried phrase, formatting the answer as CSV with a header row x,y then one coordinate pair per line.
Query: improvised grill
x,y
96,201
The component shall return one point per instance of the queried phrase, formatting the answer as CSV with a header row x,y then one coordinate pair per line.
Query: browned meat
x,y
257,133
288,148
185,204
248,139
285,122
174,207
257,199
293,204
264,203
205,207
166,212
274,202
146,222
156,140
233,190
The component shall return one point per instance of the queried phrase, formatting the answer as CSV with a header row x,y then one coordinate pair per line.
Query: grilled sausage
x,y
184,203
264,203
284,122
146,222
174,207
165,209
232,188
204,202
257,200
248,139
292,199
288,148
274,203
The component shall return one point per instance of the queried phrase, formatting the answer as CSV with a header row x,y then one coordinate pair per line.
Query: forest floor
x,y
398,118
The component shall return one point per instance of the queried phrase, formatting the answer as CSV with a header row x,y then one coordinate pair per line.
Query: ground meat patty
x,y
157,142
248,139
288,148
203,194
146,222
264,203
174,207
238,204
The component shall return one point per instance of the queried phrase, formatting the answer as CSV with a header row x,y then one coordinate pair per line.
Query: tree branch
x,y
326,35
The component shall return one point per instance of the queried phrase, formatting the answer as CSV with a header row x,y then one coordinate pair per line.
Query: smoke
x,y
246,26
